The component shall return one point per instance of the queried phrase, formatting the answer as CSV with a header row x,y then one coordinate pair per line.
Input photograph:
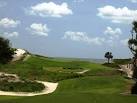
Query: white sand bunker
x,y
18,54
49,88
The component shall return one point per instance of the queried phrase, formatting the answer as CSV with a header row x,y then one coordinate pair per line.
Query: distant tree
x,y
6,52
109,56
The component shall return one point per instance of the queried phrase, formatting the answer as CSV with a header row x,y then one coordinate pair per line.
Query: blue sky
x,y
69,28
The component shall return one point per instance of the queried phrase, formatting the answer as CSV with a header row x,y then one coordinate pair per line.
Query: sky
x,y
69,28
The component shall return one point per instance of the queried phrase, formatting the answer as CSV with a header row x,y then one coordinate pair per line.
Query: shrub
x,y
6,52
22,86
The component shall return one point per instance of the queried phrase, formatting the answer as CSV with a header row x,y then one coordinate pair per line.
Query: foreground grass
x,y
75,98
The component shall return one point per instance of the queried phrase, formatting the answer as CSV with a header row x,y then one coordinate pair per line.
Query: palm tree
x,y
109,56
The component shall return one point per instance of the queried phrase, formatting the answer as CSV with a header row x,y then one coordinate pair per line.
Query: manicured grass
x,y
74,98
93,84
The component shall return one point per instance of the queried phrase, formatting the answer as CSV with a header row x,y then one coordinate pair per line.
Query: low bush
x,y
22,86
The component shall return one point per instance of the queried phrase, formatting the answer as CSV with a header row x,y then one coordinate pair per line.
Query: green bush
x,y
22,86
6,52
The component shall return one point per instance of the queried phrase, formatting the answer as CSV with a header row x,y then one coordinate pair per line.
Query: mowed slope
x,y
99,85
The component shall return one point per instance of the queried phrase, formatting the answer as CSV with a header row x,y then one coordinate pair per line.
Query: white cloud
x,y
9,34
111,37
82,36
9,23
39,29
113,33
133,1
50,9
124,42
117,15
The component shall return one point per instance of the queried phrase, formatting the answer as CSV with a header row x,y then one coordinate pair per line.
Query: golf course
x,y
68,51
97,85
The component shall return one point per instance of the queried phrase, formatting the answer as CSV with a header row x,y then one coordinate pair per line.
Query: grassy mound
x,y
121,61
112,65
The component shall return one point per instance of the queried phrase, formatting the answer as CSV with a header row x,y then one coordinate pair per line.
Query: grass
x,y
38,67
100,84
83,90
122,61
117,62
94,84
112,65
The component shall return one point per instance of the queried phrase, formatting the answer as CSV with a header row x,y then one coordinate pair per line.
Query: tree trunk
x,y
135,68
108,60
